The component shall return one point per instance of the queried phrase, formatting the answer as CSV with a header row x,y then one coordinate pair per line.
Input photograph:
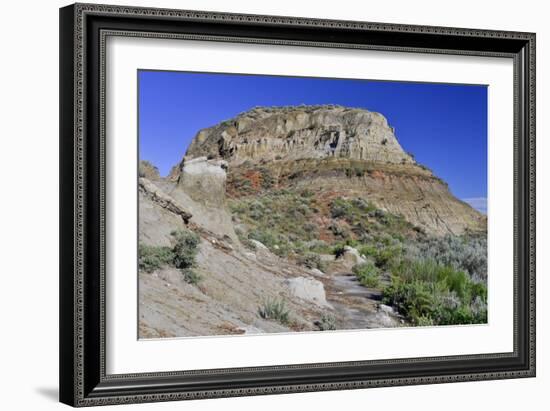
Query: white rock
x,y
386,320
204,180
250,256
386,308
317,272
308,289
250,329
352,256
258,244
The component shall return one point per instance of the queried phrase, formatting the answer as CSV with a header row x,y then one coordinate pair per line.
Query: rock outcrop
x,y
335,150
148,171
303,132
204,180
321,153
351,257
308,289
147,188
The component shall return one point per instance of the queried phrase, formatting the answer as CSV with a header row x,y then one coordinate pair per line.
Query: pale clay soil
x,y
236,282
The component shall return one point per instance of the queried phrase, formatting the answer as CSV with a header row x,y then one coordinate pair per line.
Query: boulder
x,y
204,180
384,319
317,272
259,245
352,256
307,289
386,309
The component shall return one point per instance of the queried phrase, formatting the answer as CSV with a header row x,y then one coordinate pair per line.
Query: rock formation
x,y
308,289
204,180
148,171
147,188
316,153
303,132
339,150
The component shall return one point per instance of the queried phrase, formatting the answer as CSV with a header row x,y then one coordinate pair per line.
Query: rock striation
x,y
146,188
302,132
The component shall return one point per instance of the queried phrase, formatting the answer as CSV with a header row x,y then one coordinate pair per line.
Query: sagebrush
x,y
181,255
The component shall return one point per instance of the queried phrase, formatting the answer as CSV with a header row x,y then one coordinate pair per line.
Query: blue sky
x,y
443,125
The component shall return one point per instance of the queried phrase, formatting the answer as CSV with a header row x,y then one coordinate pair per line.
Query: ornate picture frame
x,y
84,29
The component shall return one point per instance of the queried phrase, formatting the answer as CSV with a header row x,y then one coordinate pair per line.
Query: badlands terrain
x,y
304,218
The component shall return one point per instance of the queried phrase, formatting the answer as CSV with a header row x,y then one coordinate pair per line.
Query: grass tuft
x,y
275,310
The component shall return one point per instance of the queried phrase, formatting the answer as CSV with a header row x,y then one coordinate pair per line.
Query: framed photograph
x,y
261,204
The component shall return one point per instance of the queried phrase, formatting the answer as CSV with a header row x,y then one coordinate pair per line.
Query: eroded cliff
x,y
337,151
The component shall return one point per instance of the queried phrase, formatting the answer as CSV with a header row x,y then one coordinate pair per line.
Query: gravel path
x,y
357,305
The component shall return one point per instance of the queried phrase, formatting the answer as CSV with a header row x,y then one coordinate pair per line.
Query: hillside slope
x,y
304,219
336,151
236,283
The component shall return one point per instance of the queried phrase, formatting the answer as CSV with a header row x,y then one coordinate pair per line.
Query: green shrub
x,y
245,240
312,260
306,193
181,255
368,250
427,293
327,322
355,170
413,300
185,250
425,321
277,243
350,210
467,252
340,230
367,274
319,247
191,276
249,244
274,310
339,209
367,221
152,258
280,219
384,256
267,179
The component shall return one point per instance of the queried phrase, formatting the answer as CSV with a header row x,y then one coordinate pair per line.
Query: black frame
x,y
83,30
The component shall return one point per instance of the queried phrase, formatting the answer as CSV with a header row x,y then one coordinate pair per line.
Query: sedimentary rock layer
x,y
332,148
